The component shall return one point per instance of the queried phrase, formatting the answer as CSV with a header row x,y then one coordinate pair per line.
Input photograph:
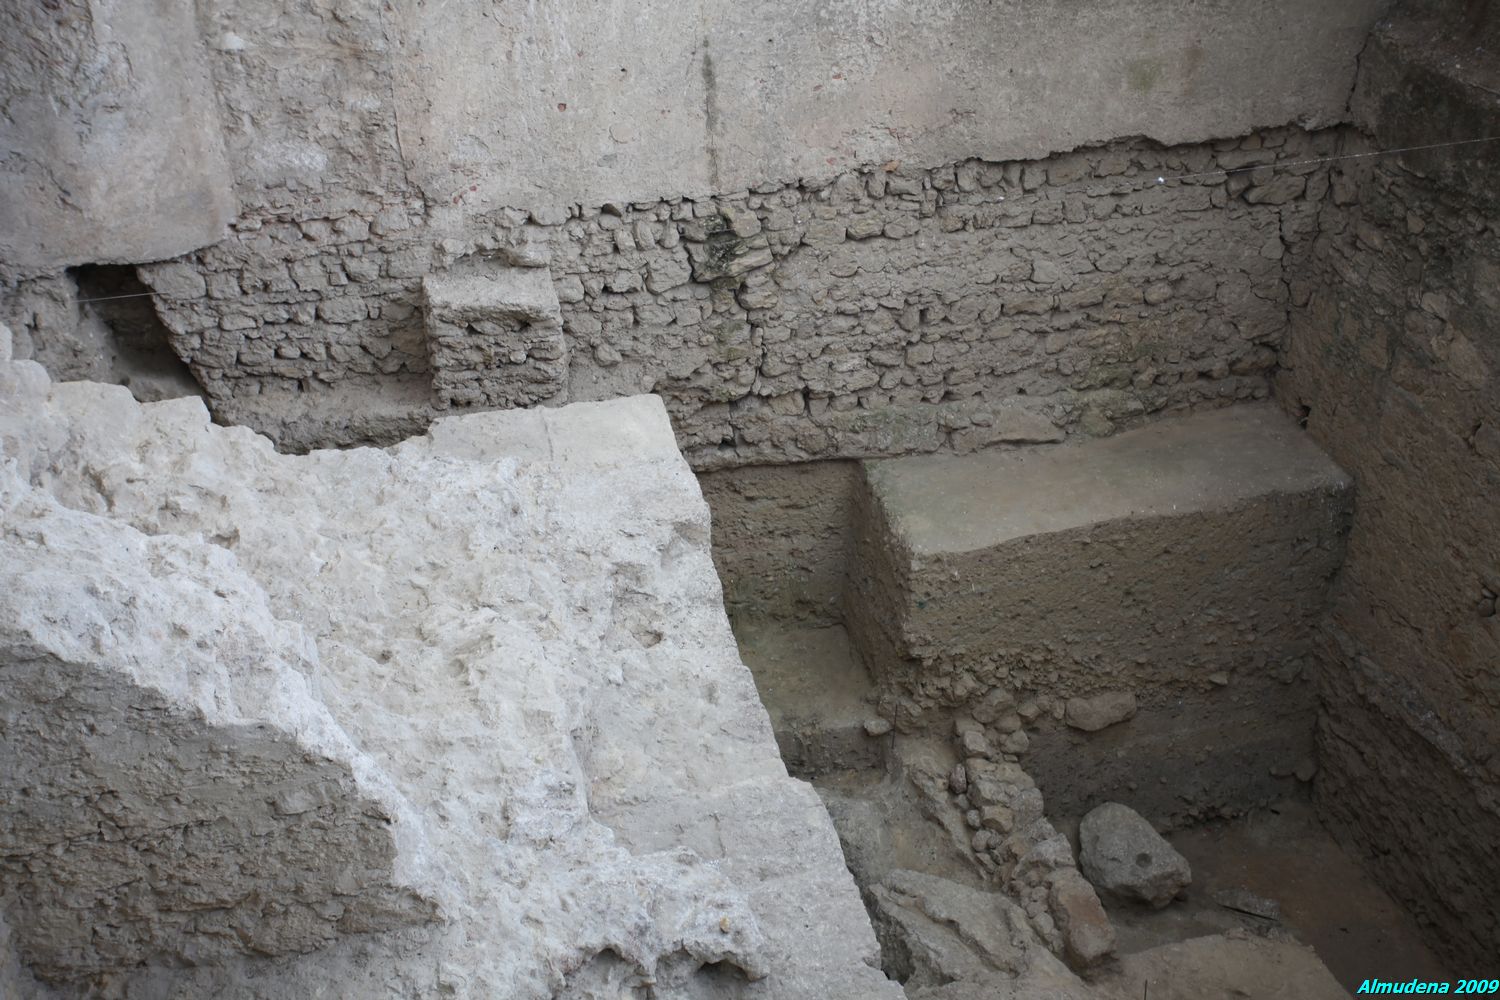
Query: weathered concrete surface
x,y
568,719
110,136
1185,563
1395,365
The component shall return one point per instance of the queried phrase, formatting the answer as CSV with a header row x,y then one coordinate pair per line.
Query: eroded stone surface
x,y
516,620
177,792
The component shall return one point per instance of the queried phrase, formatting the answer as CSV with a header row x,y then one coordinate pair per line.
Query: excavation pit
x,y
1185,564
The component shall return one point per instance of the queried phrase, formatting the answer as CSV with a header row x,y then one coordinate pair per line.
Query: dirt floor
x,y
1326,898
1279,860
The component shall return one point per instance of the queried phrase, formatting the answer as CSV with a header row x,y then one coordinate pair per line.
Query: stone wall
x,y
1395,366
881,300
889,311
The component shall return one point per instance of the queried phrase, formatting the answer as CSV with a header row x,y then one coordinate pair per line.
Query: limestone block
x,y
176,789
1121,853
495,337
515,624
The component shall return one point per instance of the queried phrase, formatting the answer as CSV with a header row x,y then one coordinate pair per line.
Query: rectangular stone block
x,y
1184,564
495,338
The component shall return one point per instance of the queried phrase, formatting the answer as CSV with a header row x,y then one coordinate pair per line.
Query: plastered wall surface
x,y
111,142
621,101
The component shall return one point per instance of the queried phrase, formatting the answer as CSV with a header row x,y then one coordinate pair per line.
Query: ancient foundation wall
x,y
781,219
1395,366
888,311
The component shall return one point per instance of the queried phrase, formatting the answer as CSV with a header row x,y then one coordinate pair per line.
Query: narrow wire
x,y
111,298
1326,159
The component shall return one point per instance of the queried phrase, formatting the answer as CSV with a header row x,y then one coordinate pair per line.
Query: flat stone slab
x,y
1216,460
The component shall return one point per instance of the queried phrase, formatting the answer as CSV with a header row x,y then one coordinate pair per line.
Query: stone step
x,y
1181,565
817,694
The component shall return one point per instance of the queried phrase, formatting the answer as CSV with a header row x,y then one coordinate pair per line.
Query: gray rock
x,y
319,695
1088,936
1099,711
1122,854
934,931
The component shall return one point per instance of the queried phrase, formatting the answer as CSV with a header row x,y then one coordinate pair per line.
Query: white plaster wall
x,y
111,148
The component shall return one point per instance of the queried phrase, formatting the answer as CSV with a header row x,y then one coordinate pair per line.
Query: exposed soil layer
x,y
1278,860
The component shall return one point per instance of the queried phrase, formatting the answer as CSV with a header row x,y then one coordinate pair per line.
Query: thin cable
x,y
111,298
1326,159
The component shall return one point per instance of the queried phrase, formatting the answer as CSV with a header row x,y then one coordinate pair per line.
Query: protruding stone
x,y
1121,853
1088,936
1099,711
495,337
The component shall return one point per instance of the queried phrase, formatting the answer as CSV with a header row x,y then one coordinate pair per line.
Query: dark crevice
x,y
112,298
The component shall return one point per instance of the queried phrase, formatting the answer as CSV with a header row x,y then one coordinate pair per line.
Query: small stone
x,y
1008,723
1306,769
997,818
997,701
1088,936
1122,853
1219,679
958,780
1016,742
976,744
1157,293
878,727
1100,711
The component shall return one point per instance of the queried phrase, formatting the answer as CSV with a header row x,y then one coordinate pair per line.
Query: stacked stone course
x,y
892,310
